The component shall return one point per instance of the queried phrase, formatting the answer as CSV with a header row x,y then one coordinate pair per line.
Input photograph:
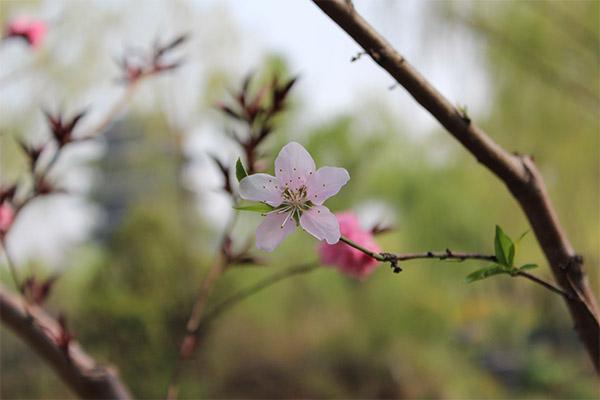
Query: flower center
x,y
295,201
295,198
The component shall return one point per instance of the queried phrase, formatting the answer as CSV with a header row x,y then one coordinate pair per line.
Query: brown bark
x,y
75,367
518,173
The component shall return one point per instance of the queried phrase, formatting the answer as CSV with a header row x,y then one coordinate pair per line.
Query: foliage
x,y
505,250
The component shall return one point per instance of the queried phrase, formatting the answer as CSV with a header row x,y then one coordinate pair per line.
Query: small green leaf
x,y
486,273
518,241
240,171
527,266
504,247
522,236
254,207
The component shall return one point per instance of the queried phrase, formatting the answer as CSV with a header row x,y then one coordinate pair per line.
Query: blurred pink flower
x,y
32,30
297,191
7,215
347,259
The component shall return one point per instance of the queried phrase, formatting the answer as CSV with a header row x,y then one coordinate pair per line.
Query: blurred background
x,y
142,220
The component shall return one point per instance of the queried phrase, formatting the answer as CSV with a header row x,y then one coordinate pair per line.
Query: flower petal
x,y
321,223
261,187
294,165
326,182
273,230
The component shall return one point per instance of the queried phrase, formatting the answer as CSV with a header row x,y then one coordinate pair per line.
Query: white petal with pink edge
x,y
294,165
321,223
273,230
261,187
326,182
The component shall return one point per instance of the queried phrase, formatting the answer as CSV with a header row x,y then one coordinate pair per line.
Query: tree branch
x,y
440,255
547,285
394,260
243,294
74,366
188,344
203,323
114,111
518,173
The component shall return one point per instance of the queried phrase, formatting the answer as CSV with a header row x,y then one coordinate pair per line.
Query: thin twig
x,y
547,285
243,294
96,130
204,322
440,255
187,346
394,259
258,120
114,111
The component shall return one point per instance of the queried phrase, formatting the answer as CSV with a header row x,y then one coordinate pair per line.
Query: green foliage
x,y
254,207
240,171
486,272
527,266
504,248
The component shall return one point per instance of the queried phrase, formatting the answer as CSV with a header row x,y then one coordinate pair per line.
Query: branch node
x,y
358,56
572,261
393,260
464,113
528,165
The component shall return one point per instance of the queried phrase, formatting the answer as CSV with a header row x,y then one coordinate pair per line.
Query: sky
x,y
313,45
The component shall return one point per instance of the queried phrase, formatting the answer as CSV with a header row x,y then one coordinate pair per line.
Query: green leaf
x,y
527,266
518,241
254,207
240,171
504,247
522,236
486,273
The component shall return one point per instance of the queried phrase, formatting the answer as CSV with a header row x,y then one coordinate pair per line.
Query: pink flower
x,y
33,31
348,259
297,191
7,215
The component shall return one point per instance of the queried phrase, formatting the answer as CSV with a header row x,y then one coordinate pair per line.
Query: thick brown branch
x,y
519,174
75,367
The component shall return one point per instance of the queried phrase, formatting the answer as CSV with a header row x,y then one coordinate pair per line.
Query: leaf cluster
x,y
505,250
